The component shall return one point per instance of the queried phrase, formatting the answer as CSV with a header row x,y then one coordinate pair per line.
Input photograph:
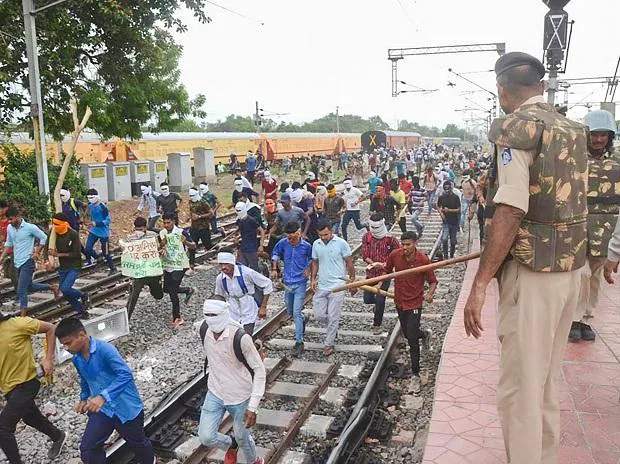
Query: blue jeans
x,y
431,199
415,220
464,209
295,306
105,251
336,227
213,410
100,427
25,284
449,231
347,217
67,278
214,225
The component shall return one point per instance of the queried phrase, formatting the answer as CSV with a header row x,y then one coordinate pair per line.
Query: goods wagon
x,y
393,139
92,149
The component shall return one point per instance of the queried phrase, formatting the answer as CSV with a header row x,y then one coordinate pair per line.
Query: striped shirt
x,y
418,197
377,251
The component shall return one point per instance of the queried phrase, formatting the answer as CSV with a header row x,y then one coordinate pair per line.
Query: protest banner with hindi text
x,y
141,258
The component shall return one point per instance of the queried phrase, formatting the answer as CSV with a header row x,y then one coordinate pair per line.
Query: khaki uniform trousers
x,y
535,314
592,278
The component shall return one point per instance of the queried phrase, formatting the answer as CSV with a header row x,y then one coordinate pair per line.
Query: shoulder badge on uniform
x,y
506,156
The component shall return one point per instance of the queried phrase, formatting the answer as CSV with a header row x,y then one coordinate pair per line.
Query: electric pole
x,y
36,105
337,120
258,118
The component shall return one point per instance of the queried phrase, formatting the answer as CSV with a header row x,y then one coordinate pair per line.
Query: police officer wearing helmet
x,y
603,202
536,247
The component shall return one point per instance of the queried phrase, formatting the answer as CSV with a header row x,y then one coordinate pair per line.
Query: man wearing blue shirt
x,y
250,166
373,182
99,229
108,395
21,237
330,255
297,257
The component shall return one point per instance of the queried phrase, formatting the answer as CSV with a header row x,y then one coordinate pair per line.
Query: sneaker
x,y
177,322
298,349
85,301
575,332
377,330
189,294
84,315
587,334
56,447
231,456
427,335
415,384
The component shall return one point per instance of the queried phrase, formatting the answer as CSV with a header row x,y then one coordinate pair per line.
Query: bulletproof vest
x,y
603,203
553,234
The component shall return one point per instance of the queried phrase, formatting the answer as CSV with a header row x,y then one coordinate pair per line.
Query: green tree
x,y
116,56
19,182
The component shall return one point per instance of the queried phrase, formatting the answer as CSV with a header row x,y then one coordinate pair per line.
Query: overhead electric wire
x,y
235,12
586,97
406,13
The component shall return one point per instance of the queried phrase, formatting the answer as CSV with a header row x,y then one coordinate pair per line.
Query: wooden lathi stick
x,y
414,270
376,291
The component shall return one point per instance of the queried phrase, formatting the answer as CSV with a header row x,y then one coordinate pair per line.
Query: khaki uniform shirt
x,y
16,357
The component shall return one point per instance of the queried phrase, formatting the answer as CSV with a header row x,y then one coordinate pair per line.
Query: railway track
x,y
331,403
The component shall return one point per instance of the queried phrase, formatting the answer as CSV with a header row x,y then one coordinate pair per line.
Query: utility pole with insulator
x,y
555,44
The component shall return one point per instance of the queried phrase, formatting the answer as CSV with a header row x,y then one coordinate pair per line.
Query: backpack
x,y
241,283
236,347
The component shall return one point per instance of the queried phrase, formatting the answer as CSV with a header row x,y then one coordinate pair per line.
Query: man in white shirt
x,y
236,384
352,198
237,283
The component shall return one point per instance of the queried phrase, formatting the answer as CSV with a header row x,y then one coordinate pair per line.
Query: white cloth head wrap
x,y
311,175
321,190
65,194
378,229
224,257
219,315
194,195
203,188
145,189
241,209
297,195
239,185
92,198
347,184
267,175
165,190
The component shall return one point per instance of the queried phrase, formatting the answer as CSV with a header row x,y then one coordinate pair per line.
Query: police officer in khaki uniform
x,y
603,203
536,247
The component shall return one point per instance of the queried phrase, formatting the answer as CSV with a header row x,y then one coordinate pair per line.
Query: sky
x,y
302,59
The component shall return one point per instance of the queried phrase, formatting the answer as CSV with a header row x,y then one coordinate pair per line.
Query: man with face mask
x,y
449,207
333,207
68,252
603,204
236,384
148,199
22,237
352,198
176,263
200,214
250,246
99,230
270,186
244,289
296,254
207,195
240,190
168,202
72,208
377,244
331,257
271,218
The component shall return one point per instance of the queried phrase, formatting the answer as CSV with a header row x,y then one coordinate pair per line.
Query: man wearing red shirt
x,y
270,186
409,296
377,244
405,184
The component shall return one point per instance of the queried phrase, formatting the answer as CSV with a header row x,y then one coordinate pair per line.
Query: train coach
x,y
377,139
93,149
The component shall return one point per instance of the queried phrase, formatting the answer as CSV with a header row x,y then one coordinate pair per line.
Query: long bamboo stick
x,y
414,270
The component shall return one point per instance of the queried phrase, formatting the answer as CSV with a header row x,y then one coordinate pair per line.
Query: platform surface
x,y
465,427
